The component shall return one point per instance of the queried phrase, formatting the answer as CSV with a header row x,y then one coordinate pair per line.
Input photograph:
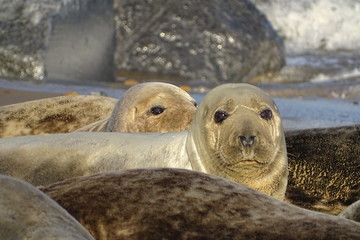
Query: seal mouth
x,y
247,162
238,162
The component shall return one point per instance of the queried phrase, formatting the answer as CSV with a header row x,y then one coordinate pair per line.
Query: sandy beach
x,y
12,96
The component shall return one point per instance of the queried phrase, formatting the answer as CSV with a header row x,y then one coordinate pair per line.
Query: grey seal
x,y
324,168
149,107
27,213
53,115
352,212
236,133
183,204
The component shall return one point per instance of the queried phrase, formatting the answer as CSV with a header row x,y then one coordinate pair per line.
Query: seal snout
x,y
247,144
247,141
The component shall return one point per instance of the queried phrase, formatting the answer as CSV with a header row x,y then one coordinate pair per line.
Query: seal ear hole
x,y
157,110
220,116
266,114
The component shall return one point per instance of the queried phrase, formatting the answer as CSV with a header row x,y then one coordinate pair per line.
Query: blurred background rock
x,y
89,40
57,40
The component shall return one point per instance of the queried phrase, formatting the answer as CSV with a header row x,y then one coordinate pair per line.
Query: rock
x,y
324,168
183,204
57,40
220,41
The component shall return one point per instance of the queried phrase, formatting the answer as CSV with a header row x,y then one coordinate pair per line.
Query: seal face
x,y
238,134
149,107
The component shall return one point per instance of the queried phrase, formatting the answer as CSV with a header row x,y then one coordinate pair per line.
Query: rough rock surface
x,y
324,168
58,40
220,41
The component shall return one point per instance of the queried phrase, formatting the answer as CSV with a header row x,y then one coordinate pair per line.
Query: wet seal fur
x,y
324,168
149,107
27,213
182,204
236,134
53,115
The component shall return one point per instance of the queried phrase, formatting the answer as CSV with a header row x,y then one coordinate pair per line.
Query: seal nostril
x,y
247,141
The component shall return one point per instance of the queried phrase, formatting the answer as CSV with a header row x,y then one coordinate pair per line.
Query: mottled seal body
x,y
182,204
324,168
27,213
236,134
149,107
53,115
42,160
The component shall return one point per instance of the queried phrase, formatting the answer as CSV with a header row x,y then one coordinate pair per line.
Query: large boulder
x,y
62,40
217,40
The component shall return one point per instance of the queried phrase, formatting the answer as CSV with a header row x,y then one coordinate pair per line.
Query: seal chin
x,y
247,161
241,160
253,158
247,154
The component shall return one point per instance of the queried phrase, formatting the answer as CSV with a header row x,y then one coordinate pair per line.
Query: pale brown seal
x,y
181,204
53,115
236,134
149,107
27,213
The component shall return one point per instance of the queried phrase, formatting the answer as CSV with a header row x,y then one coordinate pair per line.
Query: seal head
x,y
149,107
237,133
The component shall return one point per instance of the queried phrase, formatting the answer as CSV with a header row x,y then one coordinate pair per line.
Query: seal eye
x,y
157,110
266,114
195,104
220,116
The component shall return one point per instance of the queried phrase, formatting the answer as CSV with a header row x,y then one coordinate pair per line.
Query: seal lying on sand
x,y
236,134
53,115
181,204
27,213
324,168
149,107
